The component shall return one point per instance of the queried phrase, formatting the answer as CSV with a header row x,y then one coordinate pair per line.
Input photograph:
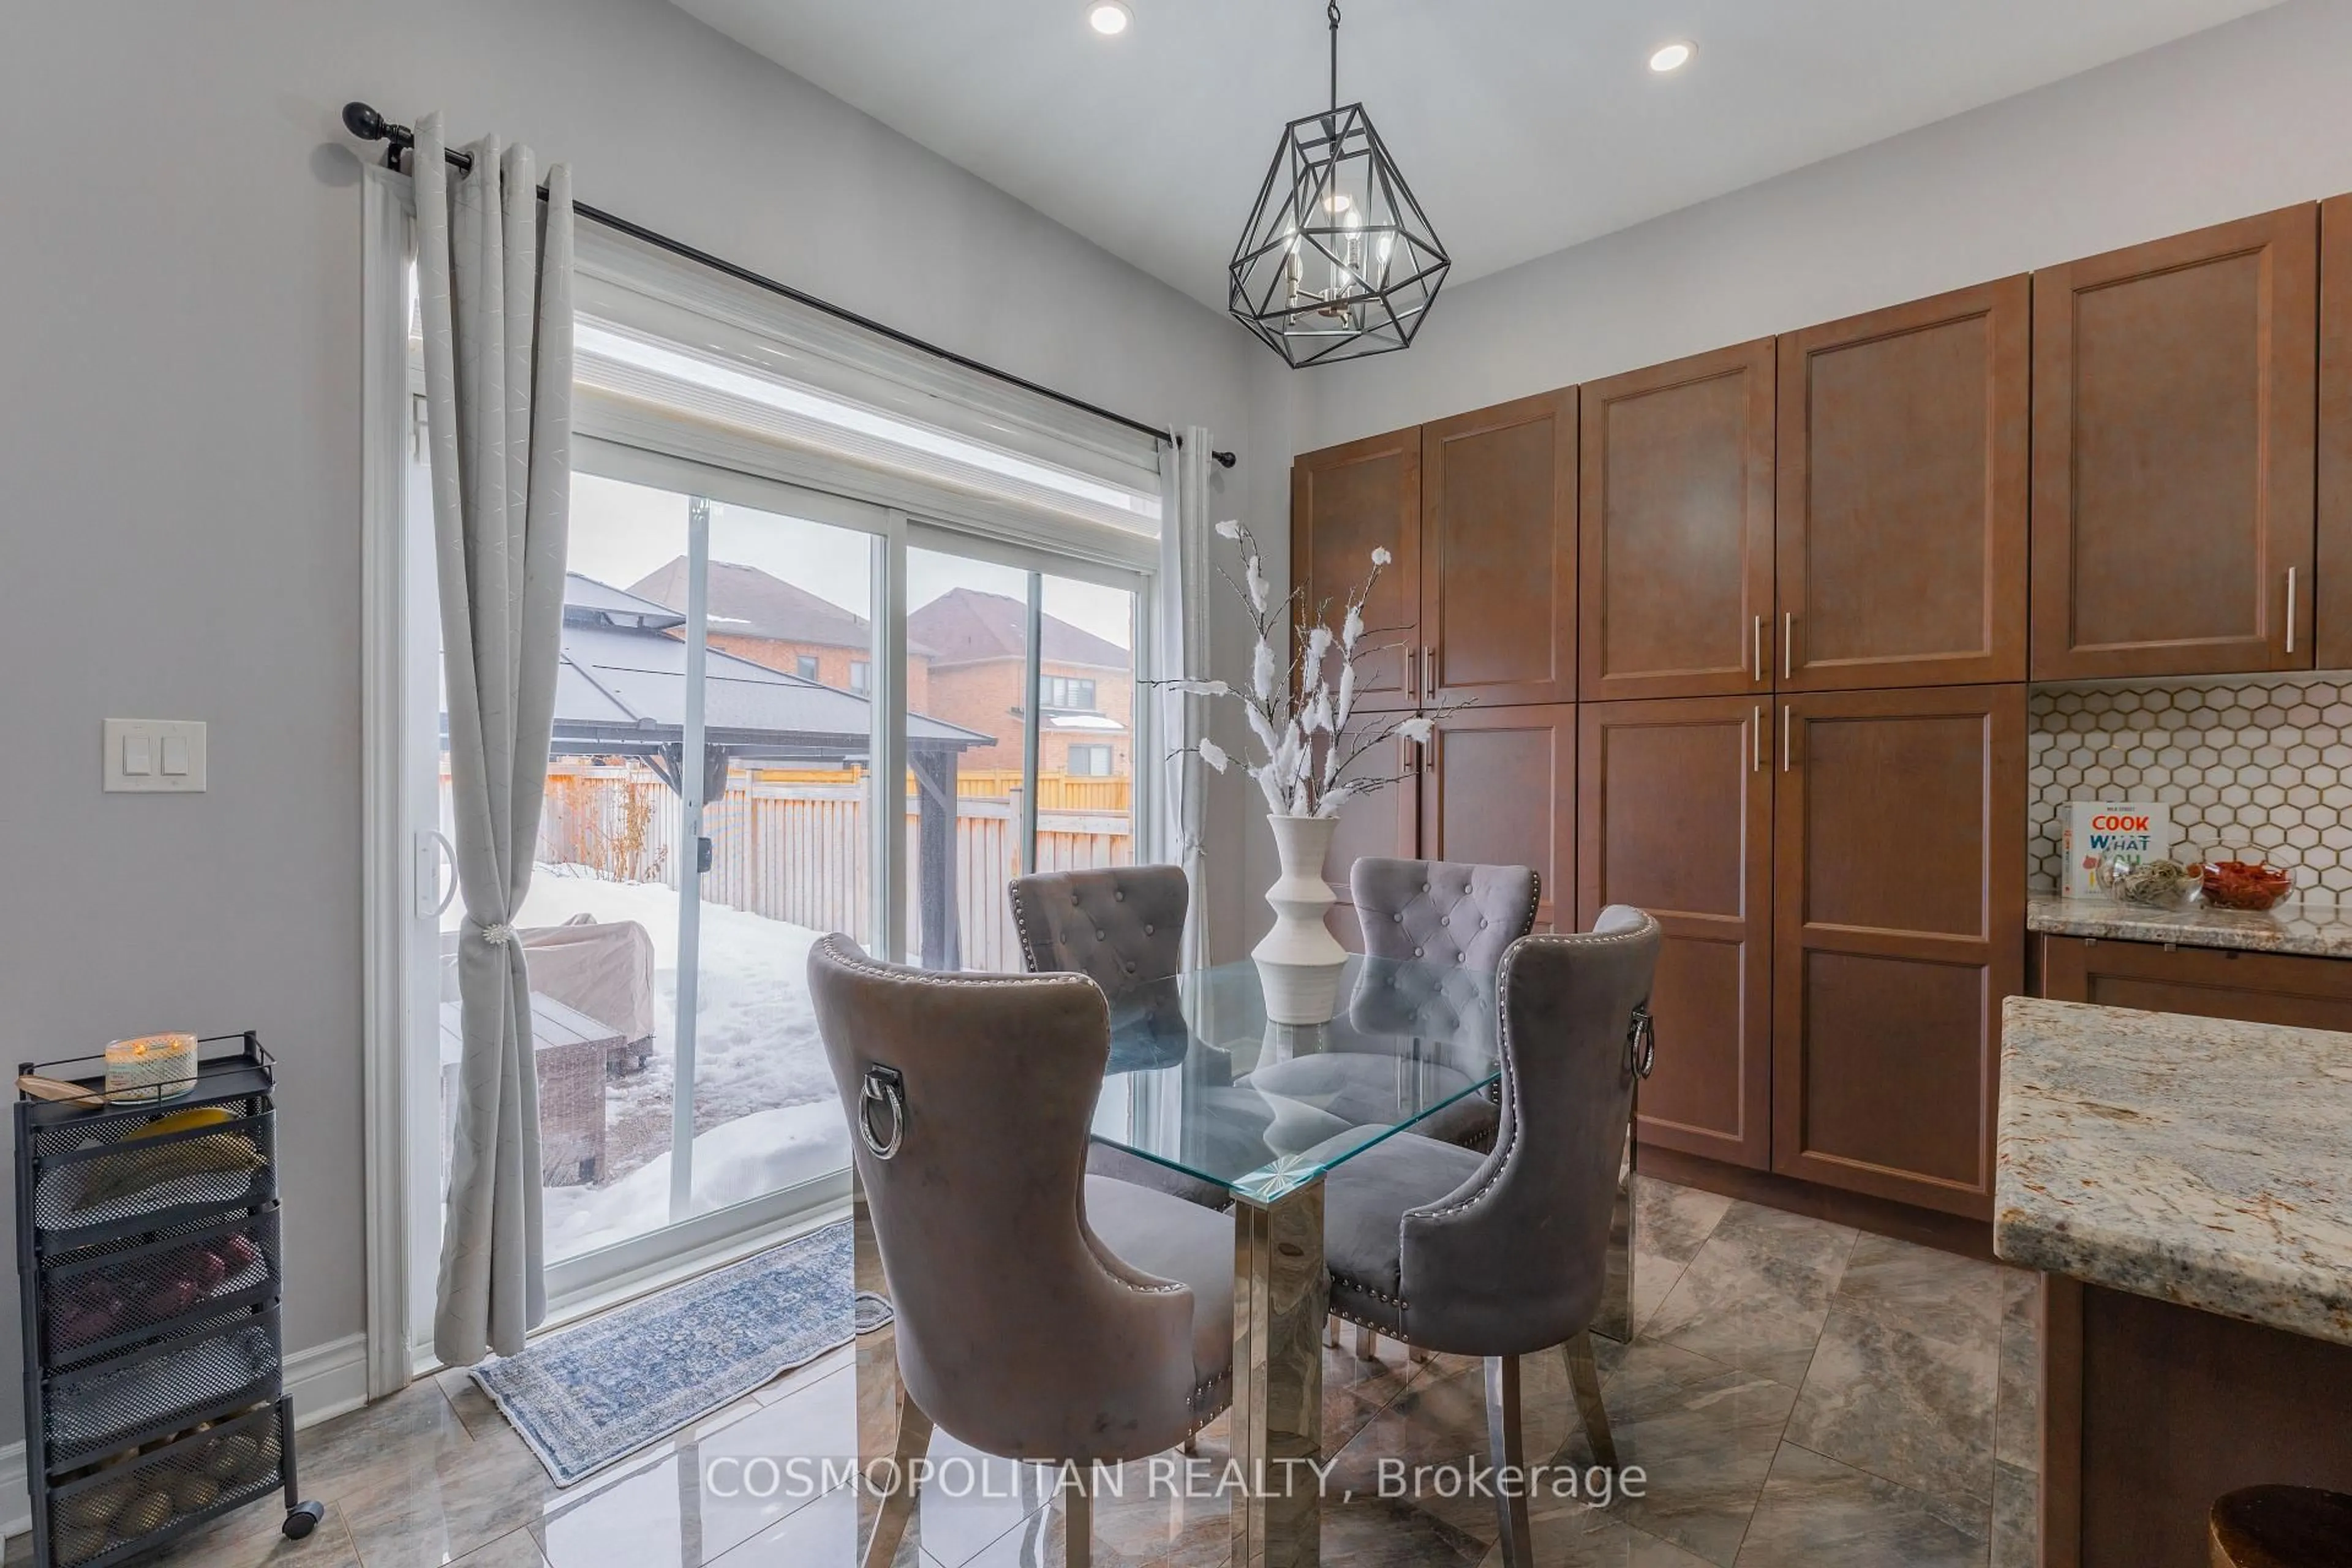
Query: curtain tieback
x,y
497,935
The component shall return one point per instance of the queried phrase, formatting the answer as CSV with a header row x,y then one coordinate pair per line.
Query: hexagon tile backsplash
x,y
2258,770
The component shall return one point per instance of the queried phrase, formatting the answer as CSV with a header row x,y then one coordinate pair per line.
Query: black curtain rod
x,y
363,121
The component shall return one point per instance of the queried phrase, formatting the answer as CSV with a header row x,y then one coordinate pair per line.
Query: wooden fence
x,y
799,851
1055,792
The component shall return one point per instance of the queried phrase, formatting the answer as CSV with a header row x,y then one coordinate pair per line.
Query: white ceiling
x,y
1523,125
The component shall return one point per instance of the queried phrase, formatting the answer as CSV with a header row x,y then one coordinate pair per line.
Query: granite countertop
x,y
2318,931
2197,1161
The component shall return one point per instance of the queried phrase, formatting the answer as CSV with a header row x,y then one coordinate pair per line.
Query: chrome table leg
x,y
1280,1297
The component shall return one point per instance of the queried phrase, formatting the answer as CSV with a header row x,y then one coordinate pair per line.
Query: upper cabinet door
x,y
2332,594
1498,788
2173,391
1677,524
1498,554
1345,502
1903,495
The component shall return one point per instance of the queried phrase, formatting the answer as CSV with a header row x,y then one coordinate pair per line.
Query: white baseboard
x,y
325,1380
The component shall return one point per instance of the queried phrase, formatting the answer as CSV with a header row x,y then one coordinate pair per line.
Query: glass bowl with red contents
x,y
2244,884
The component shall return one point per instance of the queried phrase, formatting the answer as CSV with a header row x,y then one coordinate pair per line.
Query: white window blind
x,y
674,357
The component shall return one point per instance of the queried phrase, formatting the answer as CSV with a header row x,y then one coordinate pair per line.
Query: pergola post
x,y
935,846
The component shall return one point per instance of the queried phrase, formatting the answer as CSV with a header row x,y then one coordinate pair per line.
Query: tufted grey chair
x,y
1042,1314
1444,911
1446,924
1443,926
1123,927
1506,1255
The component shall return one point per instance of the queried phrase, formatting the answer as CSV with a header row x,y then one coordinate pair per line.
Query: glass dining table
x,y
1201,1082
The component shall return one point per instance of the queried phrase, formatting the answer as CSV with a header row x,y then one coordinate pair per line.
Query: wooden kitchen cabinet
x,y
2174,392
1903,458
1497,563
1498,788
1899,895
2205,983
2332,594
1676,520
1386,825
1674,816
1346,501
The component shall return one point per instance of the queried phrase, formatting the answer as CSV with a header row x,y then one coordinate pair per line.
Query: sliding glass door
x,y
716,801
1020,735
708,814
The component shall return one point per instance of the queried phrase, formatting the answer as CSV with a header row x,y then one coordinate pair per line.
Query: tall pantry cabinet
x,y
1477,612
1796,587
1745,639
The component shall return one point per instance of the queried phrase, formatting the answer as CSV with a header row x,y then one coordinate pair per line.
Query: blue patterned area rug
x,y
596,1393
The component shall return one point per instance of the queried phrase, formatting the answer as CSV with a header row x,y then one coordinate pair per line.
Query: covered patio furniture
x,y
605,971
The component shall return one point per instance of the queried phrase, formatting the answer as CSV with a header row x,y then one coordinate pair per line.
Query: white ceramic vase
x,y
1299,961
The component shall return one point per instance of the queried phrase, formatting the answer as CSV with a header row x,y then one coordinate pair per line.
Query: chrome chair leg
x,y
1505,1437
1585,1378
1077,1520
899,1505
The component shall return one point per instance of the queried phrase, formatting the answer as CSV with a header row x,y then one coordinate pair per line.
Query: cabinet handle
x,y
1785,711
1788,644
1756,750
1428,669
2290,609
1759,649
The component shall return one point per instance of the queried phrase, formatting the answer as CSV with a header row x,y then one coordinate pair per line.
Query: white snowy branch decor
x,y
1304,747
1298,707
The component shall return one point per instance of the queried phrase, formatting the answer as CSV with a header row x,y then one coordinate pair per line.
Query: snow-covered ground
x,y
765,1112
743,1159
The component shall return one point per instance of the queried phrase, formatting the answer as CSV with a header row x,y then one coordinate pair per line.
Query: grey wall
x,y
2222,124
180,439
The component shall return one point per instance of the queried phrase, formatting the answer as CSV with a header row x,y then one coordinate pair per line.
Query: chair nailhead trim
x,y
1362,1288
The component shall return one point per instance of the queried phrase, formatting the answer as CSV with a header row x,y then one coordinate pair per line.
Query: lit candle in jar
x,y
150,1068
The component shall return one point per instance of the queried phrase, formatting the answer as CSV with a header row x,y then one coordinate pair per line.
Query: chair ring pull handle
x,y
1641,1042
886,1086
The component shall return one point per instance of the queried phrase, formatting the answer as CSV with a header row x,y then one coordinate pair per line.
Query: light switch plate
x,y
161,755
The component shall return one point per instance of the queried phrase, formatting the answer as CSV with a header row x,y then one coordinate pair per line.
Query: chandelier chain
x,y
1332,11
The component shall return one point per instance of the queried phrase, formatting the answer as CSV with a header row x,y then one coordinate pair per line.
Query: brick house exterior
x,y
979,655
769,622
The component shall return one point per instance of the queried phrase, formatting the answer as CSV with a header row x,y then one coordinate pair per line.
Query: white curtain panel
x,y
494,275
1183,624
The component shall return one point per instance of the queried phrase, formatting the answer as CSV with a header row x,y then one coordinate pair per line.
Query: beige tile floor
x,y
1797,1392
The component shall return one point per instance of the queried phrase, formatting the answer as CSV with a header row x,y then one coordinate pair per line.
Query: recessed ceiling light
x,y
1671,57
1110,19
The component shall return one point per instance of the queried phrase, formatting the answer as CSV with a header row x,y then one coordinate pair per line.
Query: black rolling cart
x,y
149,1268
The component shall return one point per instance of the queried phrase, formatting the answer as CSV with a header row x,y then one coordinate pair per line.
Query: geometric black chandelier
x,y
1338,260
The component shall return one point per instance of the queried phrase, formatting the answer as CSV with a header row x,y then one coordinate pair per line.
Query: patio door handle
x,y
431,897
702,855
